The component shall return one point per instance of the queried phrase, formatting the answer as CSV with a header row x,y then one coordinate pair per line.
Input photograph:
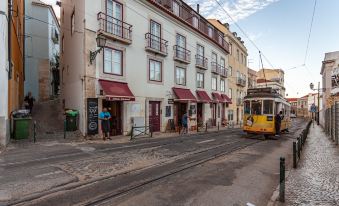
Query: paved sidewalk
x,y
316,180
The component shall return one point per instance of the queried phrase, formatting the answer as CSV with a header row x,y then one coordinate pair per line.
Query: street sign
x,y
313,108
170,101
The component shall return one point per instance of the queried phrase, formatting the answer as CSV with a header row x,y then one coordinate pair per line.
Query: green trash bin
x,y
21,128
71,120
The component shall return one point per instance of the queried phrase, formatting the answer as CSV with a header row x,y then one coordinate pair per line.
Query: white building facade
x,y
42,33
161,60
4,122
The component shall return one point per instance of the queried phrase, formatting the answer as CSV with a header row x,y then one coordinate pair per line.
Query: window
x,y
231,48
230,71
268,107
155,35
230,93
256,107
200,80
214,83
238,74
242,58
176,8
112,61
238,55
195,21
222,85
210,31
180,76
222,62
181,46
114,17
214,57
247,106
155,70
200,50
73,22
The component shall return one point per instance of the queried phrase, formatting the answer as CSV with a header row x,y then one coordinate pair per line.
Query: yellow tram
x,y
260,108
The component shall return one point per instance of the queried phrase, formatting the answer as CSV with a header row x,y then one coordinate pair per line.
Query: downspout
x,y
9,39
24,43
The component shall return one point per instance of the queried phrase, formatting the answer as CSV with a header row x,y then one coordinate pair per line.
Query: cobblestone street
x,y
316,180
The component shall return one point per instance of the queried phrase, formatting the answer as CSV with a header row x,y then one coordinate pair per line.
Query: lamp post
x,y
312,88
101,43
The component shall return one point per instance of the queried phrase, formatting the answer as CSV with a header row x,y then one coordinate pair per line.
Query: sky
x,y
280,29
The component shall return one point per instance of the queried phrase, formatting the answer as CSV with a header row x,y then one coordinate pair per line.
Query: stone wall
x,y
44,80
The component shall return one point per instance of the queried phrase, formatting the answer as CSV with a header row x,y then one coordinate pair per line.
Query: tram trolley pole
x,y
282,180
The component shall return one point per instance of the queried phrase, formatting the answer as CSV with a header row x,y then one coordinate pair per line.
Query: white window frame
x,y
112,51
200,80
155,63
179,72
214,82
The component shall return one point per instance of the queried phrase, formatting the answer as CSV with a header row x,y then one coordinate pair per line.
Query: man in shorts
x,y
105,116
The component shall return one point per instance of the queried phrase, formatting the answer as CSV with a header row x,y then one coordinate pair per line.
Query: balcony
x,y
240,102
201,62
183,12
223,71
182,54
114,28
156,44
215,68
241,82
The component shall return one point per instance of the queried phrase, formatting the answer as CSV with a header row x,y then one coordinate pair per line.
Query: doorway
x,y
200,113
237,115
154,115
115,109
181,110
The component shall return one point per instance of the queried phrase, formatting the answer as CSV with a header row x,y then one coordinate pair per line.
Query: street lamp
x,y
312,88
101,43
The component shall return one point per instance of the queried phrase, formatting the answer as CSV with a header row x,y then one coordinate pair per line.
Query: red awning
x,y
203,97
226,98
116,91
184,95
217,97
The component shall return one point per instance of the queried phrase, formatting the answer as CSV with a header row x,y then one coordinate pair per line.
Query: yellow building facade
x,y
16,81
237,71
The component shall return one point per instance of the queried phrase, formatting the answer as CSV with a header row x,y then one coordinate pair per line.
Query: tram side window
x,y
247,105
256,107
268,106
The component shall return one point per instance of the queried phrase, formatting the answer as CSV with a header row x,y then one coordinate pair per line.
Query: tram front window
x,y
256,107
268,106
247,105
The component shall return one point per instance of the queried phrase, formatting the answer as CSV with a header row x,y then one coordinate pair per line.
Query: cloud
x,y
238,9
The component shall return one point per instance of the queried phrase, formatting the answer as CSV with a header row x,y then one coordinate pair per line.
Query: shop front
x,y
203,99
226,102
184,103
114,94
216,107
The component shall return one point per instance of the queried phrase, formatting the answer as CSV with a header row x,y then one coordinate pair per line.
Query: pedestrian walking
x,y
278,118
184,121
105,117
29,102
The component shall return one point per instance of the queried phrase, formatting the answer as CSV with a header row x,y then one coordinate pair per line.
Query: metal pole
x,y
132,132
64,129
218,126
151,130
333,122
206,127
294,155
318,115
282,180
337,123
34,132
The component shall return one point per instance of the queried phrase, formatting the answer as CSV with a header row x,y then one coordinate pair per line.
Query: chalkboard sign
x,y
92,116
170,125
168,111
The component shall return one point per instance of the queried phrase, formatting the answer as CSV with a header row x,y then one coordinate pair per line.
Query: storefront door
x,y
223,111
154,116
115,109
200,113
181,110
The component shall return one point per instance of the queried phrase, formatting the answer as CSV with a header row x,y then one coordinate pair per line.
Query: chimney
x,y
227,25
198,8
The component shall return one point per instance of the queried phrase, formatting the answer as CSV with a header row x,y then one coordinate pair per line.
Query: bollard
x,y
218,126
294,155
206,127
179,130
65,129
132,132
298,147
197,127
282,180
34,132
151,130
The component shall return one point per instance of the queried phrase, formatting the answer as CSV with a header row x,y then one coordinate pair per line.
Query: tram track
x,y
136,178
142,145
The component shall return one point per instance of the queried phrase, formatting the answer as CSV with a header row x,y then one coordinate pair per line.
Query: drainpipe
x,y
9,39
